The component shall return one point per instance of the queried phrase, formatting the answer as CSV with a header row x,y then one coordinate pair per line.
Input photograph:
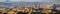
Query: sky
x,y
32,0
1,0
37,0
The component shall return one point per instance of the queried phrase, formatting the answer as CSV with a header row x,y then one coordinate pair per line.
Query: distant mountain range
x,y
21,4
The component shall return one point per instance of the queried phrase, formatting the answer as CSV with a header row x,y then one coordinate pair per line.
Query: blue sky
x,y
32,0
37,0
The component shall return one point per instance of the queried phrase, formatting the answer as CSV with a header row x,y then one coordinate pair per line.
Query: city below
x,y
29,7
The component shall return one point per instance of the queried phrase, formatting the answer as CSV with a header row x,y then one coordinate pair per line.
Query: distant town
x,y
29,7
